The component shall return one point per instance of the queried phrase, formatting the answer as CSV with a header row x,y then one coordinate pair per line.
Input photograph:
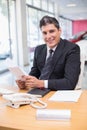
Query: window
x,y
44,5
7,36
29,2
36,3
51,6
66,26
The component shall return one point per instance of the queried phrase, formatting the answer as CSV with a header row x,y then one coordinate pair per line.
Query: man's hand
x,y
32,82
27,82
21,84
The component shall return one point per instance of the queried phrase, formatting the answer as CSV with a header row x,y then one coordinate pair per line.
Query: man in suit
x,y
65,66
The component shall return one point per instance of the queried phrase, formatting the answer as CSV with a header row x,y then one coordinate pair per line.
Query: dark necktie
x,y
47,67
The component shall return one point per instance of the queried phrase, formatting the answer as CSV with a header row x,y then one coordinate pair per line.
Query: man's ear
x,y
60,31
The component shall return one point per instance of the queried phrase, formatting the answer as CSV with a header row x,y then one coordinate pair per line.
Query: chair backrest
x,y
79,84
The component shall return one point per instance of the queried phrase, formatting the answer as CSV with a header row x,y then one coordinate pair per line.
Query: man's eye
x,y
51,31
44,33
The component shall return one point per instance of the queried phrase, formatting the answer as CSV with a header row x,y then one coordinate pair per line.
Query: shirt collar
x,y
54,48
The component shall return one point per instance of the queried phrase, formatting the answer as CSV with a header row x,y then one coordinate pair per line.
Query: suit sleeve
x,y
71,72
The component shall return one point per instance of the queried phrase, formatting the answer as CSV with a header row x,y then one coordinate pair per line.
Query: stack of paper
x,y
66,95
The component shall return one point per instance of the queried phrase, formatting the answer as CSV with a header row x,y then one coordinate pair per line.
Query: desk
x,y
24,118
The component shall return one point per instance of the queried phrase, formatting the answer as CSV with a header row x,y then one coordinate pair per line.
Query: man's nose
x,y
48,35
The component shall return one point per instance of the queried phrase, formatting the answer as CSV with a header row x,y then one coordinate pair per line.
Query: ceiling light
x,y
71,5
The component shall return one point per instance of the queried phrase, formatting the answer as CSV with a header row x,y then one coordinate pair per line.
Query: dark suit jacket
x,y
65,68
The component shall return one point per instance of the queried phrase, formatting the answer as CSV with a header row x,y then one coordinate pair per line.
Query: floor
x,y
8,79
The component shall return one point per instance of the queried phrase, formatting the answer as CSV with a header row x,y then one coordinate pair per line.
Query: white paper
x,y
53,114
66,95
14,69
17,71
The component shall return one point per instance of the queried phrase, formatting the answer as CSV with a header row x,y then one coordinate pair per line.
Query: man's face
x,y
51,35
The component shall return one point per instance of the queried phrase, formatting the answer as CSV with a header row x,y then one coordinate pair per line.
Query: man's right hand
x,y
21,84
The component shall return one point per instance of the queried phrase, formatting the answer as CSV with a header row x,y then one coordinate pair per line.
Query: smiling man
x,y
62,71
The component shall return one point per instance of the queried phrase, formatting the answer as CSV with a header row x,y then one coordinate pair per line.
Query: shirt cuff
x,y
45,83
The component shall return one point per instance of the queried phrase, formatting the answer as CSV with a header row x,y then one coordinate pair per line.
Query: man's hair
x,y
49,20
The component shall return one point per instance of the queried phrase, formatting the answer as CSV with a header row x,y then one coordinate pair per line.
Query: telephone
x,y
5,91
17,99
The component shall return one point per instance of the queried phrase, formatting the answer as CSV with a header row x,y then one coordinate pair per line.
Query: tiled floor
x,y
8,78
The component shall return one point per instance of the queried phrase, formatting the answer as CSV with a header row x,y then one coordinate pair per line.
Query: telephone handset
x,y
17,99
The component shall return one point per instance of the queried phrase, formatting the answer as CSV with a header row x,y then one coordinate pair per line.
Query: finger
x,y
29,85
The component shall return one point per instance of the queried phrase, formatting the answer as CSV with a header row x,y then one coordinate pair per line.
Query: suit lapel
x,y
43,56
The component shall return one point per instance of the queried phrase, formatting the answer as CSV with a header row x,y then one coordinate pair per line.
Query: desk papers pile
x,y
66,95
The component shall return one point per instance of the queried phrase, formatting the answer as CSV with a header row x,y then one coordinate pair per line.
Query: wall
x,y
78,26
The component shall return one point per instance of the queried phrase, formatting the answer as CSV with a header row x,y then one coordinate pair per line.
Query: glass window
x,y
32,31
29,2
7,22
4,35
36,3
40,15
51,7
12,24
44,5
66,26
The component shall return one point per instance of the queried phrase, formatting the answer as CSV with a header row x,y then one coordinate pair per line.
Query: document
x,y
14,69
17,71
66,95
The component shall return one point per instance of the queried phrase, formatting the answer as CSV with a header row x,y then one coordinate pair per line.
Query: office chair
x,y
79,84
